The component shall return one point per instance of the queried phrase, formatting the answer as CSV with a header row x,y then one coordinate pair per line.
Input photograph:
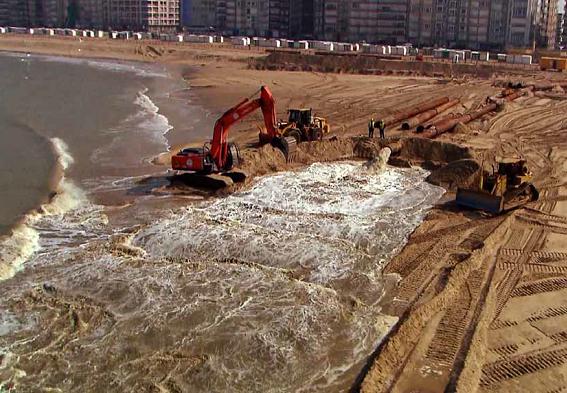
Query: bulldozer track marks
x,y
446,231
513,272
539,224
535,267
547,216
540,254
520,365
551,312
549,285
448,338
501,324
505,350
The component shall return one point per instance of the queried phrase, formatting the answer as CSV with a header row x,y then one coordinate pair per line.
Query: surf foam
x,y
146,126
25,240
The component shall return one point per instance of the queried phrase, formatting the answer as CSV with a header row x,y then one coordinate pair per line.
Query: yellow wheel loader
x,y
303,126
507,188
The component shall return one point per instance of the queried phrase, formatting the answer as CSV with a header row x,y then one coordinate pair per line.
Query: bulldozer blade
x,y
287,145
480,201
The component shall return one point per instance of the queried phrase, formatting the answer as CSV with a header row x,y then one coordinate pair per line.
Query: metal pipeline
x,y
448,124
427,115
548,85
408,112
426,126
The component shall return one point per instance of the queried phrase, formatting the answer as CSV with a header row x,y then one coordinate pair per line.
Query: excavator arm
x,y
219,144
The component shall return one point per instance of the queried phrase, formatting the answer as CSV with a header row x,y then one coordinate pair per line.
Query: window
x,y
519,12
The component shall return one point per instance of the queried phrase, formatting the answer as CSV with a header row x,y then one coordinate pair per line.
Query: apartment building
x,y
559,31
331,19
151,15
34,12
302,18
474,24
16,13
361,20
547,24
522,18
90,14
202,12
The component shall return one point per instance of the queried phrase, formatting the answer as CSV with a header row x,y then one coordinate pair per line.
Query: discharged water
x,y
105,287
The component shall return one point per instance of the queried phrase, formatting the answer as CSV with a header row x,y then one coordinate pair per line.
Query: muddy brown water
x,y
275,288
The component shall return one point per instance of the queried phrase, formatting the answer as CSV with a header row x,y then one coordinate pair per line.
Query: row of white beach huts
x,y
455,56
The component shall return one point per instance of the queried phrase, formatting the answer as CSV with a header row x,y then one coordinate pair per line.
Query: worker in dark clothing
x,y
382,127
371,128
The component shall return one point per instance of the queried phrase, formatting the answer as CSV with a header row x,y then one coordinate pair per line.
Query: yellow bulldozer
x,y
507,188
304,126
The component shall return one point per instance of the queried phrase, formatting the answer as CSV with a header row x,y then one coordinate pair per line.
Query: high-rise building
x,y
152,15
278,18
302,18
522,19
559,31
90,14
547,24
31,13
361,20
202,13
331,19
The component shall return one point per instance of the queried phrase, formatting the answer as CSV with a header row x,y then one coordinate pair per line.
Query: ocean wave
x,y
25,240
16,249
142,70
146,124
159,120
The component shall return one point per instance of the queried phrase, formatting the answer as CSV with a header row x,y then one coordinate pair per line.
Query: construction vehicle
x,y
553,64
303,126
507,188
219,155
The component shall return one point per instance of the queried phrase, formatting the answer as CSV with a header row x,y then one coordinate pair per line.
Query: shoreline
x,y
13,237
20,241
452,308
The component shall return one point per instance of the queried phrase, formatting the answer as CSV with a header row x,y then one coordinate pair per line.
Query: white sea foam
x,y
68,213
326,218
159,122
333,226
16,249
112,66
147,126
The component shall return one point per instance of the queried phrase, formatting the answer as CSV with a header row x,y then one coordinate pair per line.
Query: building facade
x,y
151,15
30,13
547,24
301,19
559,32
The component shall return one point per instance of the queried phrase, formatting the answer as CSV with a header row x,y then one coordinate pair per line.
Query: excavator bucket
x,y
480,200
287,145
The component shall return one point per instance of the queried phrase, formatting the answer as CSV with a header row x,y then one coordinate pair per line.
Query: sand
x,y
481,300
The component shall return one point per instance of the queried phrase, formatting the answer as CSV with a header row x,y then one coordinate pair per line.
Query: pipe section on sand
x,y
427,115
410,111
448,124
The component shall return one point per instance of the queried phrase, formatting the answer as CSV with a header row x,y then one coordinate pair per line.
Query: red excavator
x,y
219,155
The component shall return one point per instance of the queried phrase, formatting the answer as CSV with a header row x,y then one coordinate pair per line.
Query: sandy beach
x,y
479,304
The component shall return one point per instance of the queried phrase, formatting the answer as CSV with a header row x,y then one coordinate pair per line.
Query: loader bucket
x,y
480,201
288,146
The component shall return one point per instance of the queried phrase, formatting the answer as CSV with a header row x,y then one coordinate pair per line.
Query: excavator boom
x,y
222,155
